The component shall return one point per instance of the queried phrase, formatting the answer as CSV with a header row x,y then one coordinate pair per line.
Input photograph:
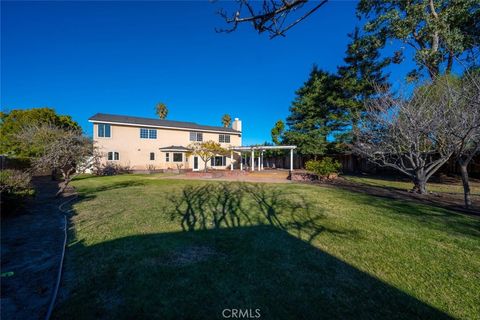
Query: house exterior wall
x,y
134,152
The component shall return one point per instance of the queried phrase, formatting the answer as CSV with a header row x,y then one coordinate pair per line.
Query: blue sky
x,y
121,57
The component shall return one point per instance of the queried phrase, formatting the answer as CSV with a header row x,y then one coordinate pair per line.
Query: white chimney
x,y
237,125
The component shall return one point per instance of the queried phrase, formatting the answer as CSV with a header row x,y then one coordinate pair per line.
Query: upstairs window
x,y
177,157
196,136
113,156
104,130
148,133
224,138
152,156
152,133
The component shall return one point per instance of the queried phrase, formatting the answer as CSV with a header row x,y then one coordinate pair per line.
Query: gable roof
x,y
128,120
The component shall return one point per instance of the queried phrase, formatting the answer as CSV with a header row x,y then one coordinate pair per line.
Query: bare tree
x,y
464,96
410,135
273,16
64,149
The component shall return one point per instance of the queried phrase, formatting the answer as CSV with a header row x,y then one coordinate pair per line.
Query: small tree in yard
x,y
66,150
408,135
206,150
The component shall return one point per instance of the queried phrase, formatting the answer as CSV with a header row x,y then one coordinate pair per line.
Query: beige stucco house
x,y
155,144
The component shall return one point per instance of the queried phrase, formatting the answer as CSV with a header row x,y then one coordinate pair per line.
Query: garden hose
x,y
60,268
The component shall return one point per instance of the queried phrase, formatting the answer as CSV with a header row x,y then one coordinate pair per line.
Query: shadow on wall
x,y
197,274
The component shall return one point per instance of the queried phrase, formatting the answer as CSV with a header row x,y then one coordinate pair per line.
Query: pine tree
x,y
313,115
359,80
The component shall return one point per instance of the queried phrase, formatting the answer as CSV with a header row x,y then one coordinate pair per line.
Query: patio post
x,y
241,161
231,160
261,160
252,160
291,160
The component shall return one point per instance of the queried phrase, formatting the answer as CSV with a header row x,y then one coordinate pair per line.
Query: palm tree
x,y
226,120
161,110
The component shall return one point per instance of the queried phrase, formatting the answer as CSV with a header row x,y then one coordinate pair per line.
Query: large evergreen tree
x,y
314,115
330,106
359,80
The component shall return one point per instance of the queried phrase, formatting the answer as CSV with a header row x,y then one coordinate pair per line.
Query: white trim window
x,y
224,138
167,157
218,161
113,156
196,136
148,133
104,130
177,157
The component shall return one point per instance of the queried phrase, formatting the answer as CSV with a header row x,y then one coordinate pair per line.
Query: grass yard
x,y
147,247
456,187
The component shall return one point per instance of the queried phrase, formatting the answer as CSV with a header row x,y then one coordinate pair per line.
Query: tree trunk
x,y
420,183
54,174
62,186
466,184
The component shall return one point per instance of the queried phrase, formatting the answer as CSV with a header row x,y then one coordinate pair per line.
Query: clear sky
x,y
122,58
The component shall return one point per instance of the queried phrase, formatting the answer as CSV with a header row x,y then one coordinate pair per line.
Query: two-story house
x,y
144,143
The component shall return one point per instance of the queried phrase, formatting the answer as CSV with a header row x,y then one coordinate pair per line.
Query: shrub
x,y
110,169
151,168
324,167
14,187
14,181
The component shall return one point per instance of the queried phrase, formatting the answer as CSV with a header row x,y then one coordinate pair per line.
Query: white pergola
x,y
261,150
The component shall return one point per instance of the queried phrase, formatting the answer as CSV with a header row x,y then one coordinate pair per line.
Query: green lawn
x,y
147,247
406,185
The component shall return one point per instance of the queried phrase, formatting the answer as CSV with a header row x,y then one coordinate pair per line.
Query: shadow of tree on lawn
x,y
244,246
228,205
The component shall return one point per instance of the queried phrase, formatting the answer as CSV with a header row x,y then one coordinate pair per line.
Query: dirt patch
x,y
31,243
185,256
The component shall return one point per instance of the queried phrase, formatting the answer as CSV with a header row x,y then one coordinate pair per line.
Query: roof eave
x,y
163,127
